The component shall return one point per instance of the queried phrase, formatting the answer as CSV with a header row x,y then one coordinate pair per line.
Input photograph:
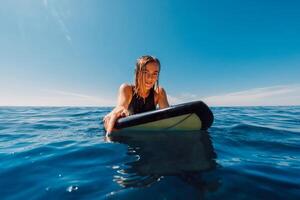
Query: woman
x,y
144,96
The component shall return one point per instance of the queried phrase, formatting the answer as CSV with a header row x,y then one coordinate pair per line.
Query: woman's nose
x,y
151,77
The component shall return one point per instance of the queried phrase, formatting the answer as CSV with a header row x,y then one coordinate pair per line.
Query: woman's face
x,y
150,74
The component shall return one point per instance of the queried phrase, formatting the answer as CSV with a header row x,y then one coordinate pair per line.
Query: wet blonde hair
x,y
139,76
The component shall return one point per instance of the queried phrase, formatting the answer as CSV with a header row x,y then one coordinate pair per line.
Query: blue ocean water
x,y
62,153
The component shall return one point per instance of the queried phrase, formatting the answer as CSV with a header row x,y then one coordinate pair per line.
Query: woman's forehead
x,y
152,67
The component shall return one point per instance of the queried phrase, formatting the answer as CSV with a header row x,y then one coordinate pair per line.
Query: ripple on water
x,y
60,153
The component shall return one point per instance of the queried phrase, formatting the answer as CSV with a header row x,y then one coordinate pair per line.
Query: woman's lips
x,y
148,84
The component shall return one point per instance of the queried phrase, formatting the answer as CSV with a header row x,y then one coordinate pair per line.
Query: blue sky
x,y
77,53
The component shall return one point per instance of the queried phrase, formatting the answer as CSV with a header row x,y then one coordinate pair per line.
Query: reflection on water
x,y
157,154
58,153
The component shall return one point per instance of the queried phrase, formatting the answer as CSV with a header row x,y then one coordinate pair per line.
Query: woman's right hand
x,y
124,98
110,119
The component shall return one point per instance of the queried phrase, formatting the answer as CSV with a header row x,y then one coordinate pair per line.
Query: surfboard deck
x,y
189,116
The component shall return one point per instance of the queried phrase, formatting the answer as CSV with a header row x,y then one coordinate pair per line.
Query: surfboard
x,y
189,116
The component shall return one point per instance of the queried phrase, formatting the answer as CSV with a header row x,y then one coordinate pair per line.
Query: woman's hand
x,y
124,98
111,118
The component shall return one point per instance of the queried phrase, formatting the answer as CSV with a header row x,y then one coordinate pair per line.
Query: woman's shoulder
x,y
160,91
126,88
161,97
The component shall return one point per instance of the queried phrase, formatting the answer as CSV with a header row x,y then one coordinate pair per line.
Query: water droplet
x,y
72,188
110,194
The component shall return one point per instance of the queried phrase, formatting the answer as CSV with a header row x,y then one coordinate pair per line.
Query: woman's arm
x,y
121,110
162,98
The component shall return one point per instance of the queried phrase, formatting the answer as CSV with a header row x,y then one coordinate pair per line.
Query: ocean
x,y
62,153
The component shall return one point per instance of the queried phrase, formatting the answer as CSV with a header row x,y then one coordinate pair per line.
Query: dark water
x,y
61,153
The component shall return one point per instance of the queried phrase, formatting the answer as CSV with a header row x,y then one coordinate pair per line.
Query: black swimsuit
x,y
139,105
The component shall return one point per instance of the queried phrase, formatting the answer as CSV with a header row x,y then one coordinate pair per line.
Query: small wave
x,y
260,129
11,137
47,126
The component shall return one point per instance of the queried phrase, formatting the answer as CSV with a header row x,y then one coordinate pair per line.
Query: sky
x,y
78,53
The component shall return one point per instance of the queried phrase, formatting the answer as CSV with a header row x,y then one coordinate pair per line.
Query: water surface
x,y
61,153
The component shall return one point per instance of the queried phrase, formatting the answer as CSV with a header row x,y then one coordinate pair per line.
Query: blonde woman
x,y
144,95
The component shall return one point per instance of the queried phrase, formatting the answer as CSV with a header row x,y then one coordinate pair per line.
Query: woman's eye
x,y
150,74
